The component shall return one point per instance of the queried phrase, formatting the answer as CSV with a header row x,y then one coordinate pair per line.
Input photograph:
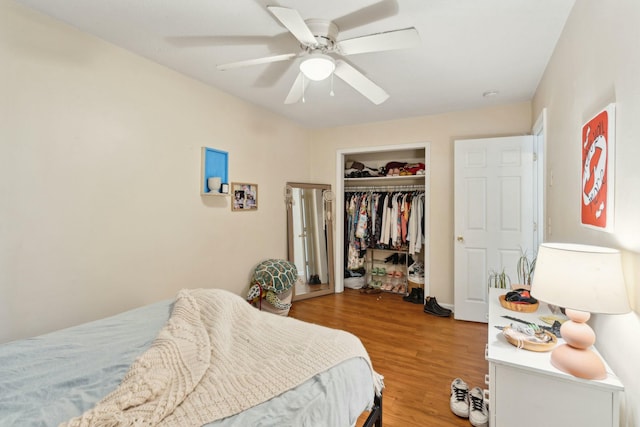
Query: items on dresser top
x,y
515,372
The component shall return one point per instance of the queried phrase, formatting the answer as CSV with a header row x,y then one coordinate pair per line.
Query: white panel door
x,y
494,216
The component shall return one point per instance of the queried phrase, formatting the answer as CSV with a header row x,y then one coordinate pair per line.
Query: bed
x,y
120,370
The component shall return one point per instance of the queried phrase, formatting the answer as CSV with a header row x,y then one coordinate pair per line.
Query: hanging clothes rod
x,y
378,188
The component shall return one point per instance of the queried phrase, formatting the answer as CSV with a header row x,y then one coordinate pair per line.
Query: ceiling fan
x,y
319,45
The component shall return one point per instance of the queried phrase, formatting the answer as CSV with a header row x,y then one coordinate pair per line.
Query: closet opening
x,y
392,248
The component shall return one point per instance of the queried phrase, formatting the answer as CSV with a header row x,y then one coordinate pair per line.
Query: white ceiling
x,y
468,47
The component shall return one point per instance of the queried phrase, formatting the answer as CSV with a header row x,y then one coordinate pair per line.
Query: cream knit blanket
x,y
218,356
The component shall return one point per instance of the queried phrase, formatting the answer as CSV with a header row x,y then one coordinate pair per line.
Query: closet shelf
x,y
398,251
385,179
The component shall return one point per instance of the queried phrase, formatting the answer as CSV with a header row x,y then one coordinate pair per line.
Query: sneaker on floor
x,y
459,399
478,415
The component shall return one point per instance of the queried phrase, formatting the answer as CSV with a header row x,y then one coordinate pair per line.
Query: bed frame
x,y
375,417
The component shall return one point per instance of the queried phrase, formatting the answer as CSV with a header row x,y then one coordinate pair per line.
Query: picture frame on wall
x,y
598,170
244,196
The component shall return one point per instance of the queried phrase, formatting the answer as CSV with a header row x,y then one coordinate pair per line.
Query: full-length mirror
x,y
310,237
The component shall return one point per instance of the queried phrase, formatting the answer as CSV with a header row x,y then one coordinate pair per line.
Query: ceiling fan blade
x,y
200,41
375,12
257,61
359,82
270,74
297,89
293,22
278,43
398,39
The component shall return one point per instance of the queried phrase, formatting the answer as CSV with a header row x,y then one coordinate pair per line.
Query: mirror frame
x,y
325,288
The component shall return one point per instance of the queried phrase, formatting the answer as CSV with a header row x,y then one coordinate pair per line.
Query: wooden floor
x,y
417,353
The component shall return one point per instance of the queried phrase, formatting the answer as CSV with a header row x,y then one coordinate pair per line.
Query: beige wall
x,y
440,131
99,179
596,62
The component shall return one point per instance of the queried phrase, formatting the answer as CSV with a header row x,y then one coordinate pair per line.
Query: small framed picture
x,y
244,196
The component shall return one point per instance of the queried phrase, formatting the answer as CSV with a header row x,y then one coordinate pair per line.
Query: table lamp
x,y
583,280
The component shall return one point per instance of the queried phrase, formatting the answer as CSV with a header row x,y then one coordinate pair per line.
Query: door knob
x,y
460,239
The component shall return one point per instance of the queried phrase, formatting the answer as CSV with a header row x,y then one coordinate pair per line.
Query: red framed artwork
x,y
598,143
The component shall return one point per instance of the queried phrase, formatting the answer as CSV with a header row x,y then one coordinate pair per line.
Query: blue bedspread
x,y
51,378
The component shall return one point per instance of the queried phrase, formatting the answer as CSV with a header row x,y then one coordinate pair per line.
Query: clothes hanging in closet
x,y
384,220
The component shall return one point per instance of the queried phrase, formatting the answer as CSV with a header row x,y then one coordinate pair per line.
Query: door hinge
x,y
535,226
535,157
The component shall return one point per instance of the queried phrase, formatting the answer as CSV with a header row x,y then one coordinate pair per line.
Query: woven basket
x,y
518,306
413,284
528,345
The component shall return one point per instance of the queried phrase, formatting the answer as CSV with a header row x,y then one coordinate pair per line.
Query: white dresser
x,y
526,390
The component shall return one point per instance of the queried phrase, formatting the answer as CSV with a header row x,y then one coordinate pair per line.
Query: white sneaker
x,y
478,414
459,399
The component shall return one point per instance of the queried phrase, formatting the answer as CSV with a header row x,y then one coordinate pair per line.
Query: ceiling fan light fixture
x,y
318,67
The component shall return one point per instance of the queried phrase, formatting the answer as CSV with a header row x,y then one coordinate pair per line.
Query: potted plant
x,y
525,269
499,279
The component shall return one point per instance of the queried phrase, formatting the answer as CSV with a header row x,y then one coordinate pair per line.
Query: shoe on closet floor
x,y
416,296
459,398
393,258
431,306
478,414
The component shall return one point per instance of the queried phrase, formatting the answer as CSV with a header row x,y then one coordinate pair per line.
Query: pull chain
x,y
303,100
331,93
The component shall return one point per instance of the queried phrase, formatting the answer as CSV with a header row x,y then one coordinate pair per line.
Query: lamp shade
x,y
580,277
318,66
